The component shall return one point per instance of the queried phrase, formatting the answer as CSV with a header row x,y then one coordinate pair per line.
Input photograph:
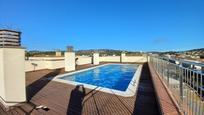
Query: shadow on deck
x,y
36,86
146,103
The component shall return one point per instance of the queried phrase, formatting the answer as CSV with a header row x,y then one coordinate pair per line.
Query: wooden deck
x,y
63,99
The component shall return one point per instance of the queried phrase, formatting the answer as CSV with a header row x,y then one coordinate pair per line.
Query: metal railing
x,y
186,84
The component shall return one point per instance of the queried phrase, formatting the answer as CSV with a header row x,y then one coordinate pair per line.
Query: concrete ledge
x,y
164,98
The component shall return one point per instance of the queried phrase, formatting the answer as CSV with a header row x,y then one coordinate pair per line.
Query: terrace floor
x,y
63,99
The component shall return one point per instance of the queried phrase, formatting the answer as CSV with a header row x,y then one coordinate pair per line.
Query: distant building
x,y
10,38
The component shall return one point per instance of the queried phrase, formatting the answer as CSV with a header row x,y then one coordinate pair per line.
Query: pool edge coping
x,y
130,91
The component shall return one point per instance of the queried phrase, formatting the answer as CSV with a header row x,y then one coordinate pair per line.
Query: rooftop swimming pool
x,y
109,77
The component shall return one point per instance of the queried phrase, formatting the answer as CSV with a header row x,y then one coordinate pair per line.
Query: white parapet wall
x,y
32,65
45,58
96,58
84,60
12,76
55,64
69,61
139,59
39,63
109,59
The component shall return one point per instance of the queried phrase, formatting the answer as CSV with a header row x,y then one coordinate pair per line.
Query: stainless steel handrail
x,y
186,84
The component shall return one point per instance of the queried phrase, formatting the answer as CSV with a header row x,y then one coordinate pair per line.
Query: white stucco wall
x,y
2,89
84,60
52,63
96,58
70,61
110,59
140,59
55,64
46,58
30,67
122,57
43,64
12,75
58,62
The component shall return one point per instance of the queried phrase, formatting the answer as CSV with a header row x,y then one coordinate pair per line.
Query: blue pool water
x,y
113,76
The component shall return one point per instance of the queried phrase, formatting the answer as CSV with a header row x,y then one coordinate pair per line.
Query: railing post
x,y
181,84
168,73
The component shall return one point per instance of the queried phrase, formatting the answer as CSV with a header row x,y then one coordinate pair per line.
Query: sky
x,y
135,25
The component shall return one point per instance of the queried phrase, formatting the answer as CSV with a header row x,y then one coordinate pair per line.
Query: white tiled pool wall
x,y
130,91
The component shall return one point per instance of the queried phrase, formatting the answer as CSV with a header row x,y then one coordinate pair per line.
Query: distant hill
x,y
103,52
106,52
